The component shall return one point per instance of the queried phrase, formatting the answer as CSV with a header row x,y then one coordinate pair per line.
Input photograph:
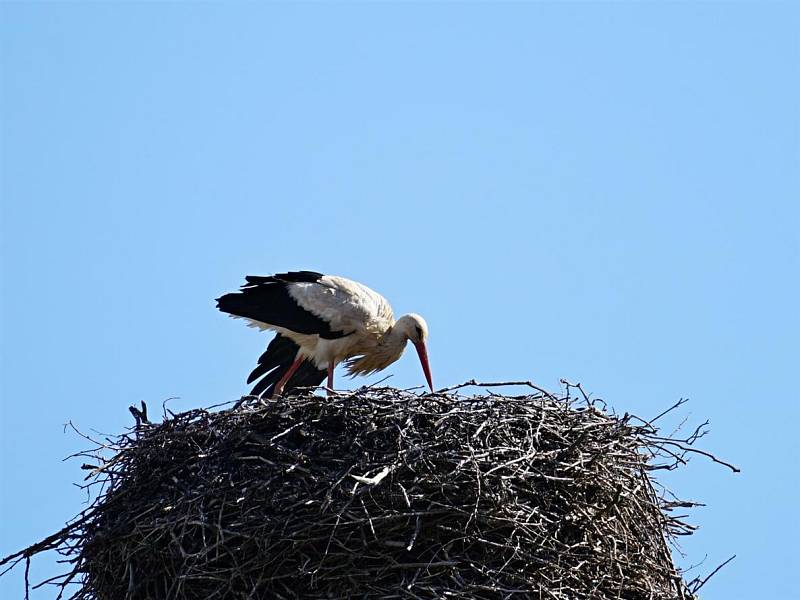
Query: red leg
x,y
330,378
279,386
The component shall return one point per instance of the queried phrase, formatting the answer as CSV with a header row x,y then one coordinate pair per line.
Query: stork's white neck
x,y
394,342
408,327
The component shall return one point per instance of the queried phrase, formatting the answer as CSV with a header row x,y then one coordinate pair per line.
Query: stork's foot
x,y
278,389
277,392
242,400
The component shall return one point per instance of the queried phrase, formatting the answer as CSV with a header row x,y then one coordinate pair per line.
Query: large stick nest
x,y
380,494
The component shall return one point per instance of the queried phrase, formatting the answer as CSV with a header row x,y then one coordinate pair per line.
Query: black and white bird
x,y
321,320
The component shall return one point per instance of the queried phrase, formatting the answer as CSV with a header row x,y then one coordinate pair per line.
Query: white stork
x,y
321,320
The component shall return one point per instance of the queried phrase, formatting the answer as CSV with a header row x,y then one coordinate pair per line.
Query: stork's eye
x,y
419,331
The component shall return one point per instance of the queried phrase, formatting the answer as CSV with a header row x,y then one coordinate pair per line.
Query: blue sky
x,y
607,193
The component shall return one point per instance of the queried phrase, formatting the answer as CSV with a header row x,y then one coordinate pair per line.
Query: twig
x,y
473,383
696,585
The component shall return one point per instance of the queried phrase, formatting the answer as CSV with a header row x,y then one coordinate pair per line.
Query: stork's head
x,y
415,329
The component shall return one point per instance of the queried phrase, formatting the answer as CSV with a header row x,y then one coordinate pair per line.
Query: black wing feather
x,y
290,277
267,384
307,375
274,363
281,351
267,300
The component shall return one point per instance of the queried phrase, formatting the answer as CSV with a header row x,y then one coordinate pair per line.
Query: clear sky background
x,y
608,193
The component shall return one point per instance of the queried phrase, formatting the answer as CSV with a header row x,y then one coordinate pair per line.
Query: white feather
x,y
346,305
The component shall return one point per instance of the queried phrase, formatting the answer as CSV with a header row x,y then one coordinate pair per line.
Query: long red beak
x,y
422,350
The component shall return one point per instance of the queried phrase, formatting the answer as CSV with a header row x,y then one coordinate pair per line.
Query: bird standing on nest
x,y
321,320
